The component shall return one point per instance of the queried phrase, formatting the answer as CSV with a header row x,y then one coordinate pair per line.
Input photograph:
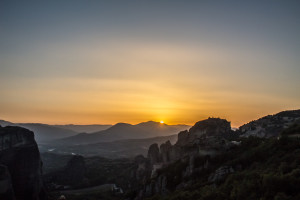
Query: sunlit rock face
x,y
21,166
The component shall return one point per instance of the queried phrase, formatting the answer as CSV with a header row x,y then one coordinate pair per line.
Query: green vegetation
x,y
87,196
264,169
102,170
294,129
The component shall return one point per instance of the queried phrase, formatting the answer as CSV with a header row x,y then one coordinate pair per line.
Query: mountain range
x,y
122,131
43,132
85,134
85,128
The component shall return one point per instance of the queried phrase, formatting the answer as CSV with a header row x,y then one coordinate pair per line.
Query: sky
x,y
104,62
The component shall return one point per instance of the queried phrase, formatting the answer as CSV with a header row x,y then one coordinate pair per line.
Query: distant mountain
x,y
116,149
84,128
43,132
123,131
271,125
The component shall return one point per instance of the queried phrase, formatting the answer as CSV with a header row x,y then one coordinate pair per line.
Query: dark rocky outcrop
x,y
203,131
166,151
20,165
220,174
271,125
141,171
210,153
153,154
6,188
293,130
205,138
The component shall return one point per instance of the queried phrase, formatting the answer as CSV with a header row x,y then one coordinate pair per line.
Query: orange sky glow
x,y
134,62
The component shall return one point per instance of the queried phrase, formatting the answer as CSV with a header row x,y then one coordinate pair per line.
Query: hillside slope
x,y
271,125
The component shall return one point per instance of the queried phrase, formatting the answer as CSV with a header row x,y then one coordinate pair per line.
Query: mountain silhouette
x,y
123,131
43,132
85,128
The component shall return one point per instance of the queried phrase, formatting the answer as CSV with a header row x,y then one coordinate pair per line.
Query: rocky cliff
x,y
271,125
20,165
189,155
205,163
207,137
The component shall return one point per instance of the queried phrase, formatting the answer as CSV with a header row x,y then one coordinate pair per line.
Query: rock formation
x,y
166,150
6,188
153,154
205,138
140,172
271,125
202,152
20,165
203,131
220,174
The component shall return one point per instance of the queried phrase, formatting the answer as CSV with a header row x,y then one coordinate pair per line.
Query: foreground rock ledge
x,y
20,165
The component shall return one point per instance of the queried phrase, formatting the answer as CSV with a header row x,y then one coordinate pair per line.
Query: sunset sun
x,y
161,122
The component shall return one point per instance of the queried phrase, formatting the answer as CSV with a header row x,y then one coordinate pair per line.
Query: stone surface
x,y
153,154
207,137
20,160
195,150
6,187
271,125
204,131
220,174
143,169
165,150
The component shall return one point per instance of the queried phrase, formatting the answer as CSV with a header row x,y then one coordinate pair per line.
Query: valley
x,y
207,161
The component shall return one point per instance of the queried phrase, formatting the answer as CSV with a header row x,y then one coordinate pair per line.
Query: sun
x,y
162,122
